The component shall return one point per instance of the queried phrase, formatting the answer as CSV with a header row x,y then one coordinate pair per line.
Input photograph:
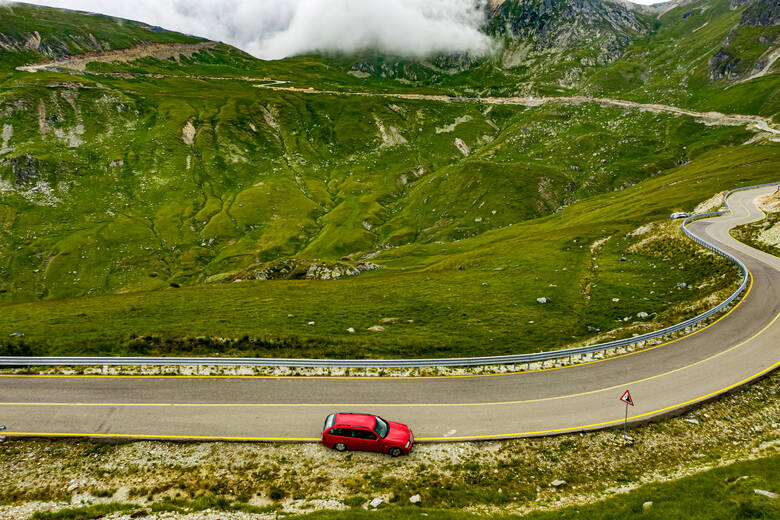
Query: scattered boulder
x,y
647,505
642,315
140,514
312,323
376,328
615,300
543,299
765,493
678,214
558,483
682,285
692,421
375,502
72,487
415,499
622,259
351,330
24,168
390,320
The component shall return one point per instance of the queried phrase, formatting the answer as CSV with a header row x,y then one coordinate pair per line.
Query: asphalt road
x,y
741,346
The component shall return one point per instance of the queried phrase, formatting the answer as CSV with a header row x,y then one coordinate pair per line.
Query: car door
x,y
367,440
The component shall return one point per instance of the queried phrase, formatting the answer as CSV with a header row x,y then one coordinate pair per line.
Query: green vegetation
x,y
134,194
751,233
722,493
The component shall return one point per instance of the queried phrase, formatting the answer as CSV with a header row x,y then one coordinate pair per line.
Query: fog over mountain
x,y
273,29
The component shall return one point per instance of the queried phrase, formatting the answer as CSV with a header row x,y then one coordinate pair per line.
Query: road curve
x,y
741,346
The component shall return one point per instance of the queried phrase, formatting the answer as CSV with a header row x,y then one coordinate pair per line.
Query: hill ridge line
x,y
150,49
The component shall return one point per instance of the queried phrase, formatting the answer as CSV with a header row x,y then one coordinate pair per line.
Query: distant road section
x,y
742,346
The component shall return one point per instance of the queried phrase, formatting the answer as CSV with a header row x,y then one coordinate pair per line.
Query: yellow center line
x,y
421,439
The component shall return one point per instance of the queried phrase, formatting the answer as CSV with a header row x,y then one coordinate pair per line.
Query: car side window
x,y
365,435
337,431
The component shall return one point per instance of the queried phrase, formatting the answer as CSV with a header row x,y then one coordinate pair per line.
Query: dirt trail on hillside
x,y
162,51
166,51
753,122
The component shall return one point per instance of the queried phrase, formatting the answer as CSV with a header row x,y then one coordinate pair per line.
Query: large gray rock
x,y
543,299
415,499
376,502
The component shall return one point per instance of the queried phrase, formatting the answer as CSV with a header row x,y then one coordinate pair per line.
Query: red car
x,y
366,432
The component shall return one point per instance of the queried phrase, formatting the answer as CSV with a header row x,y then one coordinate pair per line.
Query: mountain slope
x,y
130,171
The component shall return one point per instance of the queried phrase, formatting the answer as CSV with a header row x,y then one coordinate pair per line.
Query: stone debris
x,y
765,493
376,502
188,133
642,315
692,421
557,483
462,147
351,330
415,499
543,299
376,328
647,505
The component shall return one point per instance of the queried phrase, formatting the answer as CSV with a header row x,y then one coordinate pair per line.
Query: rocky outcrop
x,y
413,70
559,25
733,62
723,65
761,13
24,169
295,269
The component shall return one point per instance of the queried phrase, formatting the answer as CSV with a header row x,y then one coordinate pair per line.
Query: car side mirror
x,y
2,428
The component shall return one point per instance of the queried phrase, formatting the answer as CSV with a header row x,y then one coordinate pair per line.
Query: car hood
x,y
399,433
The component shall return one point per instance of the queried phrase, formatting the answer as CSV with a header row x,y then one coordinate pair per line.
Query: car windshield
x,y
381,427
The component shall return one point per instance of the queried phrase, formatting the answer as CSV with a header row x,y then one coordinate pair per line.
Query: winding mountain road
x,y
739,347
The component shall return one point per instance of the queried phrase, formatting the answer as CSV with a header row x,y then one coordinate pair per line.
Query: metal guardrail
x,y
517,359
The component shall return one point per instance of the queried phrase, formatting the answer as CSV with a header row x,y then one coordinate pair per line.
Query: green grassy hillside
x,y
133,191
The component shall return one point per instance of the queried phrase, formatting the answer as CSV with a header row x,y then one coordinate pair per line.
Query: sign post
x,y
626,398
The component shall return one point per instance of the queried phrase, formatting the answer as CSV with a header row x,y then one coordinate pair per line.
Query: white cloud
x,y
273,29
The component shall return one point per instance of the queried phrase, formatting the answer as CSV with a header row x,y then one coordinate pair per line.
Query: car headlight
x,y
408,443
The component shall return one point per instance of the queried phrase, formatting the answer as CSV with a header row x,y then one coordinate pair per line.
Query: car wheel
x,y
340,446
395,452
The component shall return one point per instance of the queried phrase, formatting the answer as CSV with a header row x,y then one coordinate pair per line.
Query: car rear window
x,y
329,421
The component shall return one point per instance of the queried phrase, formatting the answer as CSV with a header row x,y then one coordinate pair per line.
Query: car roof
x,y
355,419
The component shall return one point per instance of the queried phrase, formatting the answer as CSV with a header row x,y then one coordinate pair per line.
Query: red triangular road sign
x,y
626,398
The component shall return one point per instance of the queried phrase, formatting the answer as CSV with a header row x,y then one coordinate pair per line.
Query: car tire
x,y
340,446
394,452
